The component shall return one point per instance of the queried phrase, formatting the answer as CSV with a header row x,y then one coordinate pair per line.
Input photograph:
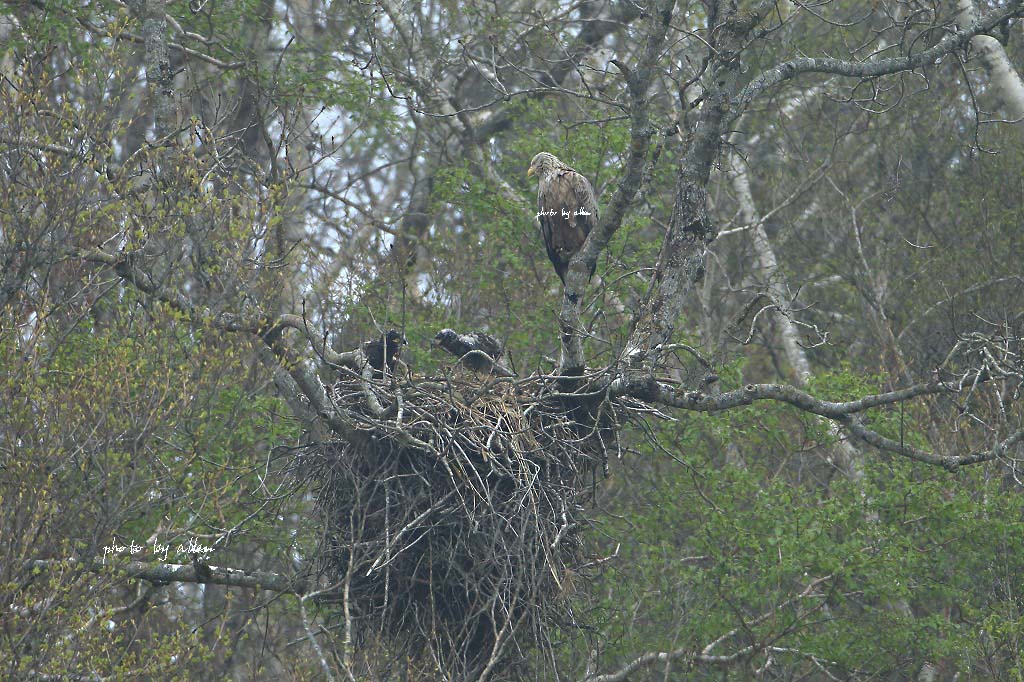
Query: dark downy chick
x,y
387,348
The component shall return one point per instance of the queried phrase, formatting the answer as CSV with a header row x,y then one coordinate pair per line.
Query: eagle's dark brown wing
x,y
568,213
587,220
488,344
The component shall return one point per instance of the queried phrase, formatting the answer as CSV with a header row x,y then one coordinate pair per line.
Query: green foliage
x,y
906,563
143,429
828,572
123,417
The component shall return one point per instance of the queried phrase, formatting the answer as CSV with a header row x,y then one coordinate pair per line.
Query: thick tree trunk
x,y
159,78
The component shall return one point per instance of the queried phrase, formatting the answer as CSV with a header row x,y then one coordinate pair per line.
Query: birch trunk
x,y
1004,81
849,458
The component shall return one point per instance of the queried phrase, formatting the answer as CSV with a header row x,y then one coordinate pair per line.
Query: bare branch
x,y
697,401
162,574
956,40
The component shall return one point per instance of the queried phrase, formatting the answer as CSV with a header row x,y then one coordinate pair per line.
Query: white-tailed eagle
x,y
566,209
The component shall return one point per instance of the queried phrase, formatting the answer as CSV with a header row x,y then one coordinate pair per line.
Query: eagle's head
x,y
444,337
394,341
543,164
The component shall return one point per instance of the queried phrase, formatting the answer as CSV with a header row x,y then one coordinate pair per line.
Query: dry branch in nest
x,y
453,518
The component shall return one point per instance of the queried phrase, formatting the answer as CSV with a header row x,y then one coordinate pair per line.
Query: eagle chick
x,y
384,350
478,351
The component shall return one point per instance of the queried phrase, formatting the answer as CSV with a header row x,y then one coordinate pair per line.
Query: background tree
x,y
204,206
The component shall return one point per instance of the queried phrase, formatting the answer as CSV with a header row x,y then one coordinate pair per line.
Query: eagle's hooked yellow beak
x,y
529,171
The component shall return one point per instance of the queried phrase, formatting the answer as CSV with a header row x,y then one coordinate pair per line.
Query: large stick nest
x,y
452,521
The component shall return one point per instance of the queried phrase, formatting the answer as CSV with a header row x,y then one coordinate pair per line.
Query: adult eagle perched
x,y
566,208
